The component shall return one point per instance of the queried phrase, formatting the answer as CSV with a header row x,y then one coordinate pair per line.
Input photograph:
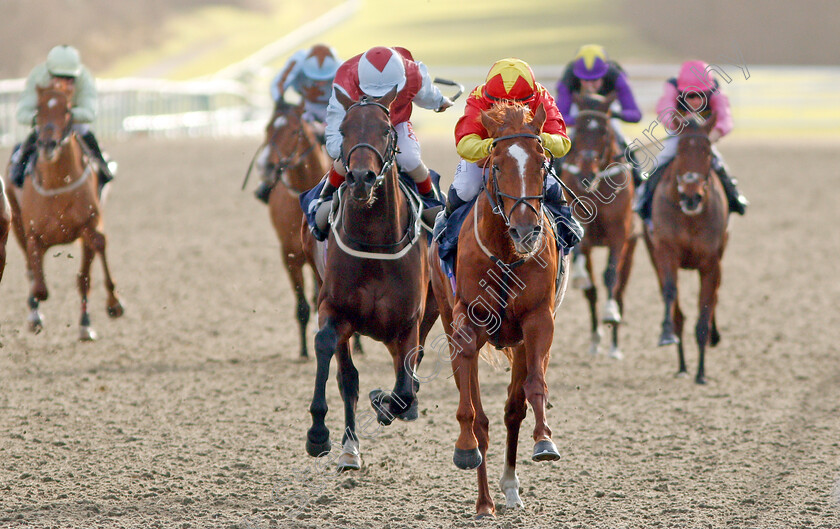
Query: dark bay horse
x,y
59,204
5,226
297,162
375,277
592,170
509,283
689,231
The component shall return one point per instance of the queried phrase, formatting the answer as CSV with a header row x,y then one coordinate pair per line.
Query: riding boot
x,y
321,207
645,193
105,174
17,172
569,230
737,202
453,202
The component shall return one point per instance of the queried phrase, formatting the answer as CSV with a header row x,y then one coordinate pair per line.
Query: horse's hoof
x,y
36,327
380,401
512,499
681,374
545,450
481,515
318,449
115,311
700,379
348,461
668,338
87,334
467,459
410,414
612,314
616,354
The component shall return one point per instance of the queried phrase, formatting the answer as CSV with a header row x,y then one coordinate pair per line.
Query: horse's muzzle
x,y
525,237
362,183
691,204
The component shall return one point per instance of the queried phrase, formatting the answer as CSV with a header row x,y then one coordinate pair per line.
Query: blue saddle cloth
x,y
308,197
567,233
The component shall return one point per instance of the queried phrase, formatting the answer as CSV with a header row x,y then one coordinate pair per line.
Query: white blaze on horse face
x,y
281,121
518,153
52,102
592,125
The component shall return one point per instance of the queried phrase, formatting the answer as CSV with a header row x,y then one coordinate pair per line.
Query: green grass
x,y
438,32
208,39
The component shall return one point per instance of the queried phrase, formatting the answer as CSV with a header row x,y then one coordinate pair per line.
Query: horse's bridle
x,y
295,159
496,201
693,176
387,160
605,160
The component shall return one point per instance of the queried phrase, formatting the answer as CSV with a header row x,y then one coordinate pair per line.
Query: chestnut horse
x,y
375,277
58,205
5,225
297,162
509,281
689,231
592,171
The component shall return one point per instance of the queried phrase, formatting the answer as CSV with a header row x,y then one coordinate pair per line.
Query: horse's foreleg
x,y
86,332
348,385
679,320
538,331
515,410
612,313
625,265
99,243
591,295
294,268
406,353
465,345
667,275
326,341
484,505
709,283
38,286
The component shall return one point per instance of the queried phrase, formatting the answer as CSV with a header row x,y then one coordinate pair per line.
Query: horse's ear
x,y
388,98
343,99
710,122
538,120
490,124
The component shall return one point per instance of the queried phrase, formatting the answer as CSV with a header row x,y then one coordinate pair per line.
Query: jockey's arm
x,y
28,104
557,144
84,100
629,109
332,134
429,96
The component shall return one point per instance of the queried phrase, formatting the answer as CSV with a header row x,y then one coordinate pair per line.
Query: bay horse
x,y
5,226
592,171
297,162
509,281
375,277
689,231
59,204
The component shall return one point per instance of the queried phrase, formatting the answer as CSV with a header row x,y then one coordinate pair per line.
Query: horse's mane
x,y
509,112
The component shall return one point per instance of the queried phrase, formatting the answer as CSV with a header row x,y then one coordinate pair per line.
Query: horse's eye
x,y
495,168
386,132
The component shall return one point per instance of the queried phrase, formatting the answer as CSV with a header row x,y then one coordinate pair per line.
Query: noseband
x,y
387,159
496,201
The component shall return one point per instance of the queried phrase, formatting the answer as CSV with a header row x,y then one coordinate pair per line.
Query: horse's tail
x,y
494,356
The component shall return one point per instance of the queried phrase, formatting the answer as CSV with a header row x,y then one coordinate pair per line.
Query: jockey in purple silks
x,y
591,72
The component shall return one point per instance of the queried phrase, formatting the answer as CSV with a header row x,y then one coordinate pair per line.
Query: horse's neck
x,y
384,221
312,166
66,168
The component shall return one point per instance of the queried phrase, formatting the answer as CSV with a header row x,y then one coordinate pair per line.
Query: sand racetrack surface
x,y
192,410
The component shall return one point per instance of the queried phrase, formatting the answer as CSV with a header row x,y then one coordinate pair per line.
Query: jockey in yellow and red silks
x,y
508,80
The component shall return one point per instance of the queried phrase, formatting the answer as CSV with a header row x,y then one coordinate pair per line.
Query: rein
x,y
414,229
